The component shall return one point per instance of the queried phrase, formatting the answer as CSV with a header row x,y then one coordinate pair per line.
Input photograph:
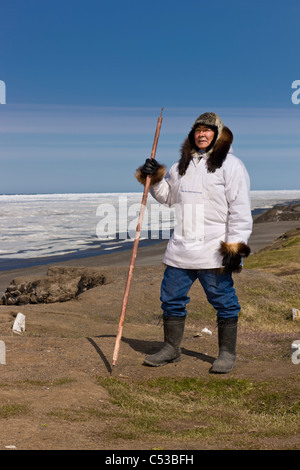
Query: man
x,y
210,189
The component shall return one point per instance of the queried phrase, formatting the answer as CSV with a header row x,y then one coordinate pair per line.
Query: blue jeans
x,y
218,287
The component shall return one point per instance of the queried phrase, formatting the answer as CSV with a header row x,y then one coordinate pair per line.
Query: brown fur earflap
x,y
220,150
186,156
155,178
217,154
233,249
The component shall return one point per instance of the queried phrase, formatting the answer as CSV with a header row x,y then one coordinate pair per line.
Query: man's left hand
x,y
232,263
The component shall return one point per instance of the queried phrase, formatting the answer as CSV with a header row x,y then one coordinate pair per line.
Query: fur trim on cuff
x,y
155,178
233,249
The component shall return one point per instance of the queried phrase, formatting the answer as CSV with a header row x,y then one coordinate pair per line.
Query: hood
x,y
217,151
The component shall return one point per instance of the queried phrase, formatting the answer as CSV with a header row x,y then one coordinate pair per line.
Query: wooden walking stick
x,y
135,246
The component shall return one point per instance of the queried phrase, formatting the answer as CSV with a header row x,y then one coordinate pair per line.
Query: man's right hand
x,y
150,167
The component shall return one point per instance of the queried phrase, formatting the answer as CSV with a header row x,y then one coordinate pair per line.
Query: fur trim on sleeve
x,y
155,178
233,249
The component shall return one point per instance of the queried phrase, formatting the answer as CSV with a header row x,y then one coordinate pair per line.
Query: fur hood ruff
x,y
216,155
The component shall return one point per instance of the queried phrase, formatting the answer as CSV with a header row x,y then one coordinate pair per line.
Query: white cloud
x,y
88,120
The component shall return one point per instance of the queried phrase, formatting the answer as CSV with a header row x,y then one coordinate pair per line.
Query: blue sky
x,y
86,80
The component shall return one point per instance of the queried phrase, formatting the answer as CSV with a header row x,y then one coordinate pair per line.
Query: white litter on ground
x,y
19,324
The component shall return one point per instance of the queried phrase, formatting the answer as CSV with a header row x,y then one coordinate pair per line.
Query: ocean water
x,y
41,228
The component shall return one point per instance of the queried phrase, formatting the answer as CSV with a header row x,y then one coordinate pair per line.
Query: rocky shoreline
x,y
280,212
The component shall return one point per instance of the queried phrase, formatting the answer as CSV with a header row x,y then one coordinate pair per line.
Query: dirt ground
x,y
55,363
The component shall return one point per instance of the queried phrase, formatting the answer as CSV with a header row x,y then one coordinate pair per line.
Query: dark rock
x,y
59,285
280,212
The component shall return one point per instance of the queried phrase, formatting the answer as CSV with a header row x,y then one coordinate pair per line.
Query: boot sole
x,y
221,371
149,363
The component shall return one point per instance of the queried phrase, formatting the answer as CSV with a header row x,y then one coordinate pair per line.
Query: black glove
x,y
232,263
232,254
150,167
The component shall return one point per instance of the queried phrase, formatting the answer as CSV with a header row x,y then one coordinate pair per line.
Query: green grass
x,y
267,297
283,252
190,408
9,410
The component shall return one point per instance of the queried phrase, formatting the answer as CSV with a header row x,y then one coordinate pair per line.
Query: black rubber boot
x,y
227,335
173,334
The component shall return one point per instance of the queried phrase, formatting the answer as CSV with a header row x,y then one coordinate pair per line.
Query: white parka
x,y
210,207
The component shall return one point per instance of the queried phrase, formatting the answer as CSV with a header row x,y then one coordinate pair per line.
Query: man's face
x,y
203,137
